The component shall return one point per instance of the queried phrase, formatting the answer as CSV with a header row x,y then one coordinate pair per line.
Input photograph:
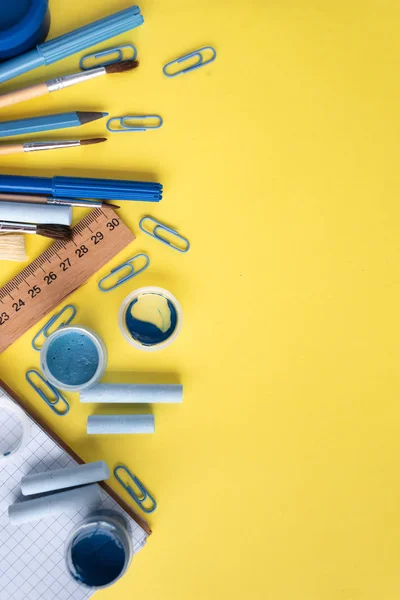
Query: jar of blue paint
x,y
98,551
73,358
150,318
23,25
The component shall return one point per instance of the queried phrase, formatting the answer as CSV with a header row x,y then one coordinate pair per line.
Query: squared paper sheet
x,y
32,563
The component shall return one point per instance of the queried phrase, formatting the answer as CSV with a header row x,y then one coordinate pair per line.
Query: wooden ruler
x,y
59,271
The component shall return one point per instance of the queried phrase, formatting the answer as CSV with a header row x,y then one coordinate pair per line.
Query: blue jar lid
x,y
23,25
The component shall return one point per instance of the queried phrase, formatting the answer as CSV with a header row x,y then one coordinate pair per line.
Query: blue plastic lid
x,y
23,25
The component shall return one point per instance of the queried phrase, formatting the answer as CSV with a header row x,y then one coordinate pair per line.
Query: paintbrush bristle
x,y
12,247
93,141
120,67
55,232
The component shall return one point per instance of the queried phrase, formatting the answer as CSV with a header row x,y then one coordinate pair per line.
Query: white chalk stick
x,y
41,214
117,424
59,479
127,393
88,496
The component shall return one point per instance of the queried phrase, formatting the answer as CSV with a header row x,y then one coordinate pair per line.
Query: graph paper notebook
x,y
32,562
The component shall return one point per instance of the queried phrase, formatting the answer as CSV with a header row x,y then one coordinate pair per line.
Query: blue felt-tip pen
x,y
71,43
82,187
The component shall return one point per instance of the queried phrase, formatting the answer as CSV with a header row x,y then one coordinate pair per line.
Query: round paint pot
x,y
73,358
98,551
150,318
23,25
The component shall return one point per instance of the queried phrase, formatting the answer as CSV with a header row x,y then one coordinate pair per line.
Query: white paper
x,y
32,564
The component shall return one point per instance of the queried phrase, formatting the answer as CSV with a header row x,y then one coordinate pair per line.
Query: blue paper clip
x,y
144,494
200,62
118,50
159,226
131,273
124,128
50,323
59,398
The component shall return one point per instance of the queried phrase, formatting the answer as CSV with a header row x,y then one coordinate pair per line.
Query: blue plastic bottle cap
x,y
23,25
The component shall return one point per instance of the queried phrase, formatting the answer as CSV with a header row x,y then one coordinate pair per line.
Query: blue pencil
x,y
48,123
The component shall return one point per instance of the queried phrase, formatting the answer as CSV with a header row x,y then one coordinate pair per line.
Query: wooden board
x,y
43,425
59,271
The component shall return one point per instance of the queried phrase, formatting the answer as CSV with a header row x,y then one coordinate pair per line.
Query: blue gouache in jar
x,y
98,557
72,358
151,319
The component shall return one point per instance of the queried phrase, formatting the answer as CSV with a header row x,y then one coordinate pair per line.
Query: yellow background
x,y
278,477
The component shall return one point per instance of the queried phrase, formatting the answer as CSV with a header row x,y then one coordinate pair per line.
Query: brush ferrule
x,y
53,85
73,202
37,146
10,227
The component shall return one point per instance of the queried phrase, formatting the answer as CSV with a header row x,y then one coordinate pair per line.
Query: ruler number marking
x,y
50,278
97,238
18,305
34,291
81,251
65,264
111,225
3,318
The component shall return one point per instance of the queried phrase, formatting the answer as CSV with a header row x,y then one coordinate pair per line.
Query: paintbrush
x,y
74,202
38,146
53,85
55,232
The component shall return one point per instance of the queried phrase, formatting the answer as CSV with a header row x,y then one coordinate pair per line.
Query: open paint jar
x,y
73,358
150,318
99,550
23,25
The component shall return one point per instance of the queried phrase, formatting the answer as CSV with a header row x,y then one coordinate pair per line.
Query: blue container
x,y
71,43
23,25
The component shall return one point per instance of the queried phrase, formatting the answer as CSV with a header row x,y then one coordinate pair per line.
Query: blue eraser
x,y
23,25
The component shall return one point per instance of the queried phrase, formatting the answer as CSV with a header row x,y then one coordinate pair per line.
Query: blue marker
x,y
82,187
72,43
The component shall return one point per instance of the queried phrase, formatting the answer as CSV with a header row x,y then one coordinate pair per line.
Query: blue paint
x,y
97,556
23,25
72,358
151,319
13,13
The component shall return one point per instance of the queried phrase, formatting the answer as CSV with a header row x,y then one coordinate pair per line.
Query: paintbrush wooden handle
x,y
23,198
11,149
34,91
